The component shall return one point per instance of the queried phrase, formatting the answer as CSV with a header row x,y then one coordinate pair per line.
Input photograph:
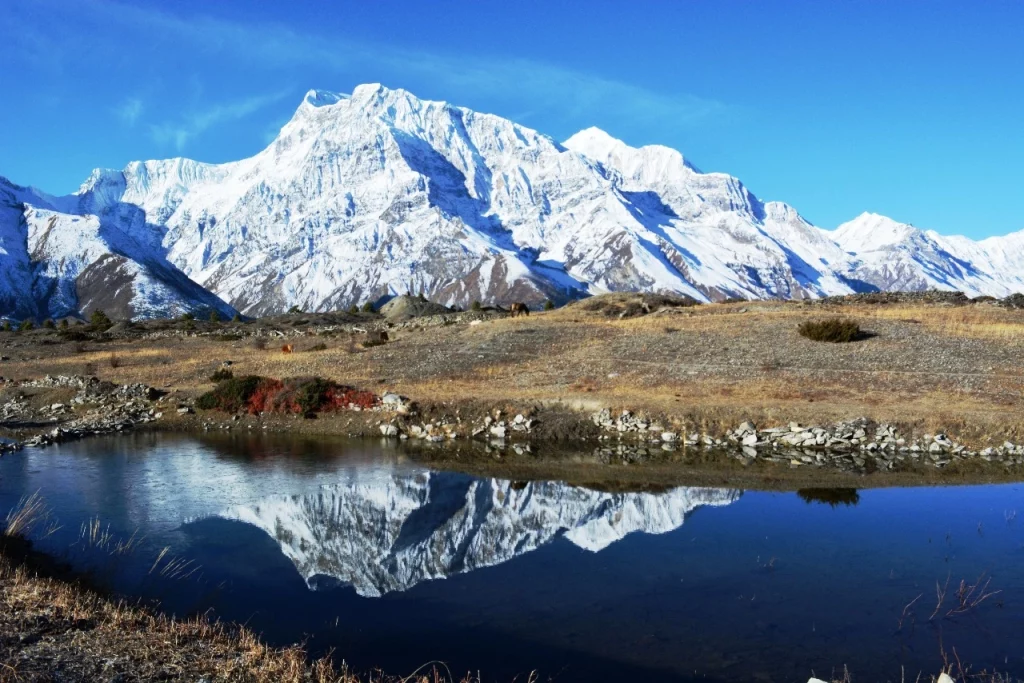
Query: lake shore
x,y
937,385
56,628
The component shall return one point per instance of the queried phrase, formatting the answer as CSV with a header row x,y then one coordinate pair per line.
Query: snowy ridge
x,y
71,255
377,193
383,531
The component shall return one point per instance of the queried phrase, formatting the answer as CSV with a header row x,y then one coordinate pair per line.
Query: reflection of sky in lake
x,y
759,584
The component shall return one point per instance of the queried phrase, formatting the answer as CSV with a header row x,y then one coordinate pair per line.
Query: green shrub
x,y
236,318
64,324
221,374
49,324
475,306
6,326
99,321
230,395
368,307
549,305
294,310
354,309
187,317
25,325
834,330
214,317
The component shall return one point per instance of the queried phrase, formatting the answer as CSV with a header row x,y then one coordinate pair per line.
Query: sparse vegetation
x,y
295,310
49,324
368,307
318,347
832,330
64,324
25,325
353,309
475,306
549,305
5,326
187,317
236,318
214,317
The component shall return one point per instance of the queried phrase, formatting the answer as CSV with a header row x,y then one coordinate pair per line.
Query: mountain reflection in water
x,y
382,531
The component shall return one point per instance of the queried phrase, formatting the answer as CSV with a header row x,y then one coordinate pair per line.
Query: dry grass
x,y
936,367
964,321
60,629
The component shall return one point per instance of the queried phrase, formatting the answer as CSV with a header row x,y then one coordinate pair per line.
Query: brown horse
x,y
287,348
517,309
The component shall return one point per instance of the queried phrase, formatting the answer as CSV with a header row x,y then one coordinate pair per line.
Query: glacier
x,y
365,196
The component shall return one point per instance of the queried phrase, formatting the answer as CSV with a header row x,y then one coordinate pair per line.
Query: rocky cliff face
x,y
378,193
384,531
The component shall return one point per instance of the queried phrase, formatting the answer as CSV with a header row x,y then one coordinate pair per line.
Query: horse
x,y
517,309
287,348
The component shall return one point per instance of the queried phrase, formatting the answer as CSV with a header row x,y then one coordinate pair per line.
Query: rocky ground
x,y
938,380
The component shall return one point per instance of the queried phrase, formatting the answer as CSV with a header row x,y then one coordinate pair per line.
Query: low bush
x,y
221,374
833,330
25,325
303,395
73,335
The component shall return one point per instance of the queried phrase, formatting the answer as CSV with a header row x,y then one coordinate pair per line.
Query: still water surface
x,y
354,547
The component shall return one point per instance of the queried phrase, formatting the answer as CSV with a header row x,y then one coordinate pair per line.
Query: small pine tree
x,y
187,316
64,324
294,309
49,324
25,325
549,305
214,317
6,326
475,306
100,321
236,318
368,307
353,309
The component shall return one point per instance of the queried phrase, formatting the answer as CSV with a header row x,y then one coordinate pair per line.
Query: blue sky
x,y
910,109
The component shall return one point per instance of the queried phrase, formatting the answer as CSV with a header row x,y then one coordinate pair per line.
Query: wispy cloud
x,y
130,110
549,88
179,132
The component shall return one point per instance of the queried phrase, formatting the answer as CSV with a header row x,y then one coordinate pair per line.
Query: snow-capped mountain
x,y
897,256
377,193
382,531
68,256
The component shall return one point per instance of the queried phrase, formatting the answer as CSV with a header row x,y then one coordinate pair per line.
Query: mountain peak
x,y
322,98
870,231
599,145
